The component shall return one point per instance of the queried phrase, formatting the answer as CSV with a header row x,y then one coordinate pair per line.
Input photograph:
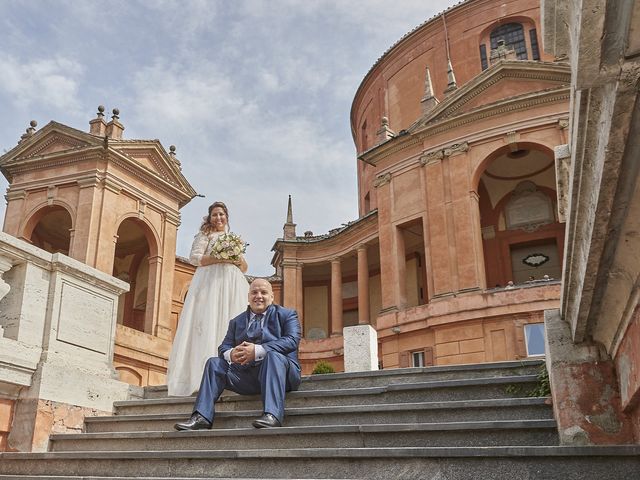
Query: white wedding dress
x,y
217,294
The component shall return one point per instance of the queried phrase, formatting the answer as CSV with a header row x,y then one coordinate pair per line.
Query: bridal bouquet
x,y
228,246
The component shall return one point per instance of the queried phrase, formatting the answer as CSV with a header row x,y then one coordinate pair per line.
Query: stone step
x,y
399,375
83,477
420,412
500,432
438,390
75,477
460,463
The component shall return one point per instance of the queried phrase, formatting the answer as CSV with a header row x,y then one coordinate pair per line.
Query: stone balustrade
x,y
57,327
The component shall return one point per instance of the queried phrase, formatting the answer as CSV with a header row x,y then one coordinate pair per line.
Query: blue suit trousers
x,y
272,377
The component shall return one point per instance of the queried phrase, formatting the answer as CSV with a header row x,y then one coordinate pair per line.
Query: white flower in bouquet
x,y
228,246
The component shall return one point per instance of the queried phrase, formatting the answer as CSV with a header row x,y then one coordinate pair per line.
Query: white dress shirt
x,y
259,349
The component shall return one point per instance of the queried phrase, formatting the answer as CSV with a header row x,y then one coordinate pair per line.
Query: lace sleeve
x,y
200,243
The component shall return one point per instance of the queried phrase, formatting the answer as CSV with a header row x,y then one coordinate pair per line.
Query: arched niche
x,y
518,215
49,228
134,247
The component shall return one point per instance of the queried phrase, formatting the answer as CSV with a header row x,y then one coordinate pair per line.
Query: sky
x,y
254,94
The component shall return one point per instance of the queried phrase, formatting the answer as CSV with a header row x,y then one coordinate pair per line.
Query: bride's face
x,y
218,219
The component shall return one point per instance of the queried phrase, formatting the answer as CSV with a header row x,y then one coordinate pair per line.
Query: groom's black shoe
x,y
196,422
266,421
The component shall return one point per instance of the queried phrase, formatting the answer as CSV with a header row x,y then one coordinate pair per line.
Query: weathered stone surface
x,y
360,348
587,404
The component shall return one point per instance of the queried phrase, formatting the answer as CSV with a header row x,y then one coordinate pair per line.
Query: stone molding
x,y
431,157
382,180
420,132
15,194
456,148
506,69
89,182
111,186
57,138
436,156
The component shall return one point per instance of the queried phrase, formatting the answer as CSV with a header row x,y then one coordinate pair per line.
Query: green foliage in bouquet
x,y
228,246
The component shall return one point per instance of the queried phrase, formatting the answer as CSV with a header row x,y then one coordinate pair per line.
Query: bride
x,y
218,292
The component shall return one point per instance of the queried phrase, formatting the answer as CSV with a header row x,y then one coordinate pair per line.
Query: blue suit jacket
x,y
280,332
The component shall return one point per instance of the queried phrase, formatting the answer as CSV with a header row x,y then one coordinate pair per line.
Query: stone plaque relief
x,y
84,318
528,209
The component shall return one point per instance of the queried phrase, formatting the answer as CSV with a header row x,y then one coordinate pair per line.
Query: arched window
x,y
506,38
513,36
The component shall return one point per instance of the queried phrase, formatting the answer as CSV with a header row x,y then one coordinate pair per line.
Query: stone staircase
x,y
444,423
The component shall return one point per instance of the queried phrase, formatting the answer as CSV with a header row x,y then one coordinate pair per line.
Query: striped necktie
x,y
254,330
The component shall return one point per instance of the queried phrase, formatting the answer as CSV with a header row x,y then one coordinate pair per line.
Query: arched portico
x,y
522,239
135,261
49,227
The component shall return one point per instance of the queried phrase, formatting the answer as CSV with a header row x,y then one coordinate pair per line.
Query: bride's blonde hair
x,y
206,226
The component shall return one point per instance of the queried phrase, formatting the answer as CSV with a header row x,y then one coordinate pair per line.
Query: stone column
x,y
5,266
84,238
387,239
336,297
163,322
363,286
300,296
290,291
401,269
14,212
153,294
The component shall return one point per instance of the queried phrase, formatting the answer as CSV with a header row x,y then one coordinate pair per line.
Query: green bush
x,y
323,367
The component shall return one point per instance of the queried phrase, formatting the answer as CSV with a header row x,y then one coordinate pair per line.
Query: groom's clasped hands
x,y
244,354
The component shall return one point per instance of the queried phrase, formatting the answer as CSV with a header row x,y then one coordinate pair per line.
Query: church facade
x,y
458,247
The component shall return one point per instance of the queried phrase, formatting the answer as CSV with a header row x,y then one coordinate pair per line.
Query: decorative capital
x,y
382,180
431,157
110,185
563,123
15,195
456,148
88,182
172,218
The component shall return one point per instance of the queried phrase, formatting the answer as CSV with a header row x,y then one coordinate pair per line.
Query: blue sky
x,y
254,94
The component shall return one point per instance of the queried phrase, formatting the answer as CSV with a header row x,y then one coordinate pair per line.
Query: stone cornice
x,y
512,104
147,176
65,157
345,241
117,185
551,72
89,147
15,154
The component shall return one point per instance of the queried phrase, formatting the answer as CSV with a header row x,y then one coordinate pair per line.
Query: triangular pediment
x,y
503,82
53,138
149,156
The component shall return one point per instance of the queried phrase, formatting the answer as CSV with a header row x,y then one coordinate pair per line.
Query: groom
x,y
258,355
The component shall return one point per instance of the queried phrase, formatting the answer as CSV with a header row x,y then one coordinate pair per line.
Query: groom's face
x,y
260,295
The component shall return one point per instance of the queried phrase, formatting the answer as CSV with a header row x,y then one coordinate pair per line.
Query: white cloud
x,y
255,94
48,82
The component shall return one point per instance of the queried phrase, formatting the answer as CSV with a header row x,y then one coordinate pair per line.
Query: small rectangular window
x,y
535,51
417,359
534,339
483,57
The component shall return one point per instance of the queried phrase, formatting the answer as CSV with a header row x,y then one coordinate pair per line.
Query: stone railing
x,y
57,327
